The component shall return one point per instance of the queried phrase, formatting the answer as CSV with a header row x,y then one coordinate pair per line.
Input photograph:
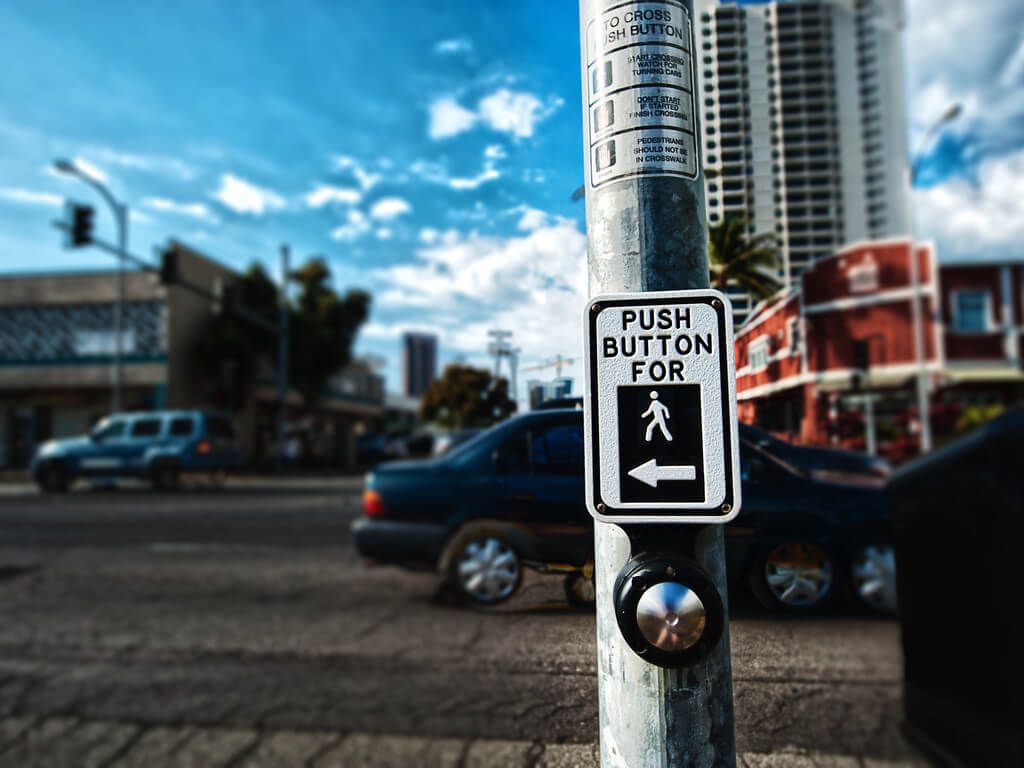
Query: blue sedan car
x,y
814,522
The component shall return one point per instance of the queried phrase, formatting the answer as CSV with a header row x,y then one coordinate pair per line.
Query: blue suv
x,y
156,445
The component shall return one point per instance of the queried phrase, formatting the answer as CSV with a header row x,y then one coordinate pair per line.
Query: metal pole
x,y
282,355
649,233
869,424
121,212
922,383
921,379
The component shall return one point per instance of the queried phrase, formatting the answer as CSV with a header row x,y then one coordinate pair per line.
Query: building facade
x,y
57,345
808,361
419,363
805,125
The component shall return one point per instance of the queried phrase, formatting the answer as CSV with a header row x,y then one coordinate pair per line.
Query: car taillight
x,y
203,447
373,504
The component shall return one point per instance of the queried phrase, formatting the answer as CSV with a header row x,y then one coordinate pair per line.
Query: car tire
x,y
793,575
54,477
580,591
873,577
165,476
485,569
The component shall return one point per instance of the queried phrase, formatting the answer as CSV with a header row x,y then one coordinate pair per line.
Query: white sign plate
x,y
660,408
639,92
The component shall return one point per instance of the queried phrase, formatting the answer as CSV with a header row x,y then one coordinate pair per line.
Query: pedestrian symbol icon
x,y
658,412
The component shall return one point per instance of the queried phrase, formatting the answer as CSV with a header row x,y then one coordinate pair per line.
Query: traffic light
x,y
80,224
169,267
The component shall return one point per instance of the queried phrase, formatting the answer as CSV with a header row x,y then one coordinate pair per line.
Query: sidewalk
x,y
68,742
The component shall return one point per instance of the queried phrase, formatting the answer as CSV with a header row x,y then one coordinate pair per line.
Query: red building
x,y
809,361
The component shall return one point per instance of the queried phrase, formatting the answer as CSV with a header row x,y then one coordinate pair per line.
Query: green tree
x,y
747,264
323,329
466,397
235,353
233,350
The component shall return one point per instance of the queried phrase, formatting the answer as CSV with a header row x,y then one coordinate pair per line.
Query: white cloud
x,y
356,225
437,173
30,196
192,210
454,45
156,164
495,152
532,219
383,233
243,196
388,208
364,178
465,283
429,235
449,118
982,219
325,194
516,113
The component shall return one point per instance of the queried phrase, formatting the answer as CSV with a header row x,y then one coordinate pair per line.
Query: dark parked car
x,y
512,497
156,445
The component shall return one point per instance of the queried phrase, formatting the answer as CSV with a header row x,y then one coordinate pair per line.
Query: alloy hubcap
x,y
798,574
874,577
488,570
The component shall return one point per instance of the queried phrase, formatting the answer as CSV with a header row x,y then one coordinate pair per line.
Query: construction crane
x,y
499,348
556,362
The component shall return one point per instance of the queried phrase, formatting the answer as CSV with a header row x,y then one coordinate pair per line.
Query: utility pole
x,y
647,231
282,355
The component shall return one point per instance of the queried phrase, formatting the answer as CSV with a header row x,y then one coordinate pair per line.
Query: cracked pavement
x,y
239,629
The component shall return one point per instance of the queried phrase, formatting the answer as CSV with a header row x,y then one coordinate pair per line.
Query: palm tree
x,y
736,261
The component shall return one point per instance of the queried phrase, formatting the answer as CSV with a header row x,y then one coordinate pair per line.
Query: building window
x,y
972,312
796,339
863,277
760,351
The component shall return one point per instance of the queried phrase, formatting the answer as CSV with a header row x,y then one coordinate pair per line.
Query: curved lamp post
x,y
120,211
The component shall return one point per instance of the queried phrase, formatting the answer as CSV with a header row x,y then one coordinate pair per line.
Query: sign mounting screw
x,y
726,509
716,303
596,308
602,508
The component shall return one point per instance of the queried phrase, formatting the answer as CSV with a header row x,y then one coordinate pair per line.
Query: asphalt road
x,y
242,618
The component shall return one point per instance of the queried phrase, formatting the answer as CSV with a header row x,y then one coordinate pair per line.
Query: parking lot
x,y
237,627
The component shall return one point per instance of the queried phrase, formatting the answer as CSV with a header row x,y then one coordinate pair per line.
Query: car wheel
x,y
165,476
793,575
486,570
580,591
54,477
873,577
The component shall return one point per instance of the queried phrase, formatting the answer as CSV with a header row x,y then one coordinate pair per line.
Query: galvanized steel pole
x,y
648,232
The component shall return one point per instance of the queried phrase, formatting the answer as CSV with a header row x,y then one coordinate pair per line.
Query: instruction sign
x,y
660,408
639,88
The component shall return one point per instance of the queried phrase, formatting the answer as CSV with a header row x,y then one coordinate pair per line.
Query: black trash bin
x,y
957,514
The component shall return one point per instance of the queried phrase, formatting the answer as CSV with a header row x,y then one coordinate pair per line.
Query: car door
x,y
145,432
103,455
558,515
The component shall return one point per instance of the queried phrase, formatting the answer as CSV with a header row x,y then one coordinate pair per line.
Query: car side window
x,y
182,427
557,450
112,430
146,428
512,457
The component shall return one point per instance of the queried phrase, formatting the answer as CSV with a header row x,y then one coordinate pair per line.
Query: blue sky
x,y
427,149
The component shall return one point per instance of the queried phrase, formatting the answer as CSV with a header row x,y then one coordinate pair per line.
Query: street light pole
x,y
922,383
282,356
121,212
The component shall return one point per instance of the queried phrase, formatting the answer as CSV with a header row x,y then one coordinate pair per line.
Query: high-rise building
x,y
804,122
419,362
